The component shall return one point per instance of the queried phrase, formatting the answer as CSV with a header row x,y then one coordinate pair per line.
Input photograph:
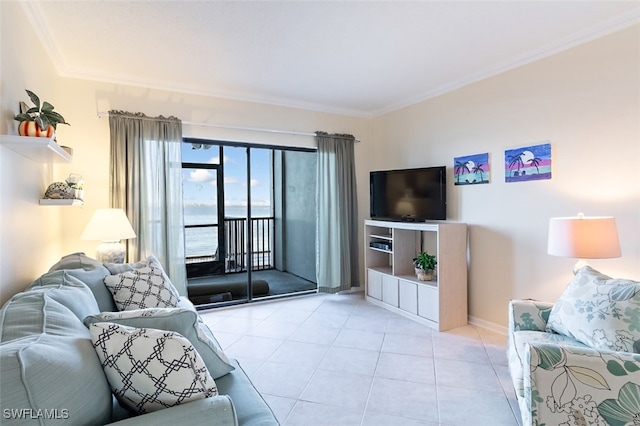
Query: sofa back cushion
x,y
56,309
92,273
49,379
599,311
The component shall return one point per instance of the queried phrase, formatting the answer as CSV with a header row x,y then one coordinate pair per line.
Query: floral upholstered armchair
x,y
577,362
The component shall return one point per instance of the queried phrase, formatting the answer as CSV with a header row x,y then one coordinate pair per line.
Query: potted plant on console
x,y
39,120
425,265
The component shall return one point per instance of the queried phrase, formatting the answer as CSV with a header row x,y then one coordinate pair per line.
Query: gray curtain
x,y
146,182
337,218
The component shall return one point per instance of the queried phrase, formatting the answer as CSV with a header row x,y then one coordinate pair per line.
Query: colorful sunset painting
x,y
471,169
527,163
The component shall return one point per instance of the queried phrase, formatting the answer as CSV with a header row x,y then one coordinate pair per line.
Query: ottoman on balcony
x,y
208,292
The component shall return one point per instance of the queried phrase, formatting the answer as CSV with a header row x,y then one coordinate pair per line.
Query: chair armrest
x,y
528,315
216,410
581,385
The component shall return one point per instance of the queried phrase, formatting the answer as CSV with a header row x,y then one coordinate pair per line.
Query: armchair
x,y
561,381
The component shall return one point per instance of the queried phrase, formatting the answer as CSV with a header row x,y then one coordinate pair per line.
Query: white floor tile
x,y
313,414
359,339
468,375
407,345
273,329
280,406
300,354
253,347
379,419
480,408
406,367
281,379
315,334
350,360
337,388
404,399
339,360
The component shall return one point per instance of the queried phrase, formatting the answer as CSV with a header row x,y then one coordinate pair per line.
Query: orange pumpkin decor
x,y
31,128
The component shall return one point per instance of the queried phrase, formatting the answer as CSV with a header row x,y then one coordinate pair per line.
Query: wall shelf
x,y
60,202
40,150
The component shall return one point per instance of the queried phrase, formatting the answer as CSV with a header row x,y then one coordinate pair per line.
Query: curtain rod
x,y
102,114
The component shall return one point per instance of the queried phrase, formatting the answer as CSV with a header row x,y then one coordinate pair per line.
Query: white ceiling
x,y
359,58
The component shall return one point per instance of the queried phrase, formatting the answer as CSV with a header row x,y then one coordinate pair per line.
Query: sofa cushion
x,y
92,273
59,374
145,287
72,291
53,309
599,311
517,352
180,320
149,369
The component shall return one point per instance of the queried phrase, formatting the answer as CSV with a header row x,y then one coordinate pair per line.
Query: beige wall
x,y
34,237
586,101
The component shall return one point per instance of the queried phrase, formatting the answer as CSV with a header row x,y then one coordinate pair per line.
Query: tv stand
x,y
390,276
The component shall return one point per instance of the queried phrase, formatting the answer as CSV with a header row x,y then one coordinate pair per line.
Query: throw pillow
x,y
145,287
149,369
117,268
180,320
599,311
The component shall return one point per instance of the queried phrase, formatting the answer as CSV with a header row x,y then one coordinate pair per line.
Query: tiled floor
x,y
339,360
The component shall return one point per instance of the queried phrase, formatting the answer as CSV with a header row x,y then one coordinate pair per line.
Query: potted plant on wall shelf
x,y
425,265
39,120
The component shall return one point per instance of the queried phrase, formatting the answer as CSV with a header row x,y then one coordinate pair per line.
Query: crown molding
x,y
604,28
35,16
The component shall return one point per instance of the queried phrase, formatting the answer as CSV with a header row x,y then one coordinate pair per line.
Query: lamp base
x,y
110,252
579,265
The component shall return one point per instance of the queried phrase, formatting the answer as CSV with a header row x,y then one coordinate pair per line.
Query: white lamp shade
x,y
583,237
108,225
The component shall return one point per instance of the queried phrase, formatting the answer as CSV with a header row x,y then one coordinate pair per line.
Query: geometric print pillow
x,y
149,369
599,311
184,321
147,287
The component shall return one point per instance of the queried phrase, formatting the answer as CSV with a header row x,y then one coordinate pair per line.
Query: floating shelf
x,y
41,150
61,202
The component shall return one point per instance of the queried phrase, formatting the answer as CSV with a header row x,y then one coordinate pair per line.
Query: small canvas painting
x,y
527,163
471,169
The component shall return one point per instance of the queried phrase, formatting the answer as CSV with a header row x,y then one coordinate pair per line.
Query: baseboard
x,y
488,325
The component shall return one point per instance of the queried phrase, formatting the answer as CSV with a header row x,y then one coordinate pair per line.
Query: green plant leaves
x,y
34,98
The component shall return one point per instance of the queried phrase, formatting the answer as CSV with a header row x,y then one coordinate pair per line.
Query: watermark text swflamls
x,y
30,414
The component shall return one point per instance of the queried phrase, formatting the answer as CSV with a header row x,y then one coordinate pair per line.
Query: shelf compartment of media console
x,y
414,279
381,250
381,269
387,237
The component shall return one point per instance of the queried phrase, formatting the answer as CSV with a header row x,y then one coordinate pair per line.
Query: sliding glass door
x,y
245,223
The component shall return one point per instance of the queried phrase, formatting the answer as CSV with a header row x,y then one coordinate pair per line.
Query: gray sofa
x,y
51,374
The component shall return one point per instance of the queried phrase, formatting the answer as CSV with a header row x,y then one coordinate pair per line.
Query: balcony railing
x,y
236,244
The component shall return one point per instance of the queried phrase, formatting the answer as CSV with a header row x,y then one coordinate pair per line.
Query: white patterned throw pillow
x,y
184,321
141,288
599,311
149,369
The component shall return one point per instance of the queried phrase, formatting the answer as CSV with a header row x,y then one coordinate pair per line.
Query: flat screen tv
x,y
409,195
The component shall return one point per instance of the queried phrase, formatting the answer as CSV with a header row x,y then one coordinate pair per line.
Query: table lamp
x,y
583,237
109,226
